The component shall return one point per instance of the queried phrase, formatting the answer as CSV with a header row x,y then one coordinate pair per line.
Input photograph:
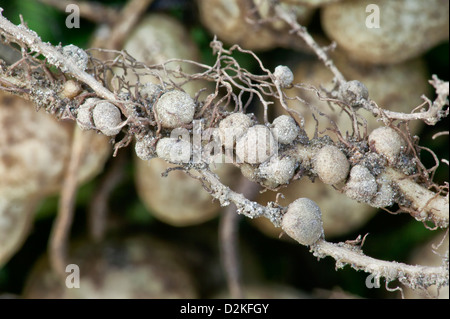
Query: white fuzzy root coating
x,y
256,145
78,56
232,128
107,118
84,114
385,195
174,150
387,142
283,76
277,171
361,185
174,109
303,221
284,129
331,165
250,172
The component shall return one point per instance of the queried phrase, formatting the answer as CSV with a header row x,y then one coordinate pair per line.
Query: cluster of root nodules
x,y
163,106
155,100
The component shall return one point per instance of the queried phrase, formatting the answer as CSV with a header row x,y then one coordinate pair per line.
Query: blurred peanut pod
x,y
34,153
385,31
121,267
251,24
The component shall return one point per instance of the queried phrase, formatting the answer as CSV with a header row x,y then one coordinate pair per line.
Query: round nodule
x,y
107,118
174,109
284,129
174,150
256,145
331,165
387,142
303,221
283,76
